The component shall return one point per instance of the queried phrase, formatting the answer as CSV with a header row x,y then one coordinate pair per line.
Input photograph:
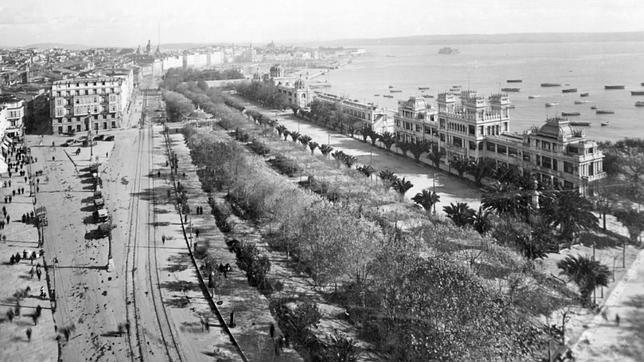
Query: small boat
x,y
639,104
581,102
428,96
514,81
391,86
570,114
376,95
609,87
395,91
550,84
534,96
423,88
580,124
604,111
569,90
593,107
604,124
510,90
637,93
585,94
388,96
552,104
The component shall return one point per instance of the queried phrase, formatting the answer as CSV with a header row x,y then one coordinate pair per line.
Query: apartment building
x,y
80,103
297,93
416,120
360,114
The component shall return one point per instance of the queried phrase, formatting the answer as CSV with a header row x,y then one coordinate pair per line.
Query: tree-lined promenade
x,y
531,238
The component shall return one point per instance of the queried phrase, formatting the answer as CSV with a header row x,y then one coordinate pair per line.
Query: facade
x,y
469,126
14,116
416,120
360,114
555,153
76,104
297,93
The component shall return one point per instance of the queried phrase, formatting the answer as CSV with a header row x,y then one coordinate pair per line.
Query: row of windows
x,y
80,92
80,128
82,119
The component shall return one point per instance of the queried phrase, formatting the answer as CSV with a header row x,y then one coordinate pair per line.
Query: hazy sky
x,y
131,22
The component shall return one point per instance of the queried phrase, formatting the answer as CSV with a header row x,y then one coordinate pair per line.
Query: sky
x,y
133,22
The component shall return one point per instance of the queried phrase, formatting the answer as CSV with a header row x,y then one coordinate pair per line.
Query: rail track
x,y
137,339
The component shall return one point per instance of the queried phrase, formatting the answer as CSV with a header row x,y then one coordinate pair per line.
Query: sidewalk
x,y
19,237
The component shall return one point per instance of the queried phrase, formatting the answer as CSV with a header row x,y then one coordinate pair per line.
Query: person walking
x,y
617,319
38,274
29,334
163,238
272,330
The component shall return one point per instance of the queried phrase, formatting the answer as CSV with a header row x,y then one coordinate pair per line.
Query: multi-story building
x,y
416,121
469,126
360,114
297,93
80,103
15,115
555,153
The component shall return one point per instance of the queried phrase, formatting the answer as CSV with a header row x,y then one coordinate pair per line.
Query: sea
x,y
485,68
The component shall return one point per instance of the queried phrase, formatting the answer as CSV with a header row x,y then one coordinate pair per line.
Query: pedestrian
x,y
31,273
197,233
106,154
12,260
158,173
13,192
16,309
8,218
38,274
9,180
53,158
10,201
29,334
24,254
66,333
35,318
38,310
271,330
10,315
163,238
617,319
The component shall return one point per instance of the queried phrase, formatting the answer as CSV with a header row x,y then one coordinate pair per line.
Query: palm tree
x,y
280,129
571,213
435,156
633,221
587,273
367,170
403,146
460,165
295,136
507,200
304,139
286,133
326,149
388,140
401,185
427,199
418,148
460,213
481,168
481,221
387,177
313,145
374,137
349,160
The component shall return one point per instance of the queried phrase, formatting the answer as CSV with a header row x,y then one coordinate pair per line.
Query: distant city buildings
x,y
469,126
12,123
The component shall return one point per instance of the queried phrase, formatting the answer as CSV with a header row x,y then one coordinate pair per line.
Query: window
x,y
104,125
472,145
555,165
60,129
113,124
526,157
456,141
418,128
442,137
512,152
78,128
472,130
590,150
591,169
505,126
568,167
490,146
546,162
501,149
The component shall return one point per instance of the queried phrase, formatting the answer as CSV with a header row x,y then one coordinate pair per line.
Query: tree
x,y
349,160
295,136
312,146
418,148
460,213
588,274
460,165
481,221
304,140
387,177
633,220
571,213
285,134
401,185
507,200
365,133
326,149
388,140
374,137
427,199
435,156
403,146
481,168
367,170
280,130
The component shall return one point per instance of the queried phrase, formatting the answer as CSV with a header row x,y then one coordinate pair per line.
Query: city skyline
x,y
127,23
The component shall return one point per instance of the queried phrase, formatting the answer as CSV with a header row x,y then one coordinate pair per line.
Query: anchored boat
x,y
604,111
569,90
637,93
570,114
514,81
514,90
551,84
608,87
